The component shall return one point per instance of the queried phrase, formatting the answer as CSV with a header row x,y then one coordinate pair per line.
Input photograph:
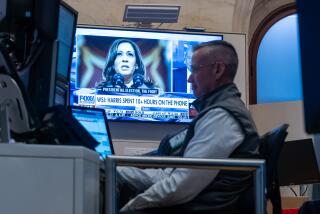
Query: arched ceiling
x,y
261,9
234,16
213,15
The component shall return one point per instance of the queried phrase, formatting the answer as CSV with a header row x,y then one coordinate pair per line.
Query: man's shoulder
x,y
213,110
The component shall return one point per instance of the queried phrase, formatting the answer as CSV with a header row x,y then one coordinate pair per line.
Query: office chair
x,y
310,207
270,147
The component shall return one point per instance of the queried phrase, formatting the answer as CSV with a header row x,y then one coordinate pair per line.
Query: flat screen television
x,y
135,74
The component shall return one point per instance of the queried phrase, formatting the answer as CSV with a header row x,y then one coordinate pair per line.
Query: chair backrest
x,y
270,147
310,207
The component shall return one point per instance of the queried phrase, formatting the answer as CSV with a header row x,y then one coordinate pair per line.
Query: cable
x,y
159,25
305,191
294,192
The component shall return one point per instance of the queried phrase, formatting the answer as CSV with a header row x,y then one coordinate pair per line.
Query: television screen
x,y
138,75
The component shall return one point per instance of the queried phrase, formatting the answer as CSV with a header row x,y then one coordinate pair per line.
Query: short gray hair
x,y
223,51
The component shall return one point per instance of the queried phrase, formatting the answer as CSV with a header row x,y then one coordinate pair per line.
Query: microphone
x,y
138,80
118,80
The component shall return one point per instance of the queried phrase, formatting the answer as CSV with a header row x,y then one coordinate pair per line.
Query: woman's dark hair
x,y
109,71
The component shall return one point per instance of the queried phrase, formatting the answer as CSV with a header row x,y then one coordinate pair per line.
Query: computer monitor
x,y
309,33
94,120
66,31
48,80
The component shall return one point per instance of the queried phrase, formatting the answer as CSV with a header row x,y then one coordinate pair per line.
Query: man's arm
x,y
217,134
142,179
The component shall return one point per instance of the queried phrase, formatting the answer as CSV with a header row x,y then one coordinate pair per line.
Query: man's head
x,y
214,64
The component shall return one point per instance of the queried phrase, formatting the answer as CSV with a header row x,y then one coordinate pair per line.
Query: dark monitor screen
x,y
298,163
66,31
308,15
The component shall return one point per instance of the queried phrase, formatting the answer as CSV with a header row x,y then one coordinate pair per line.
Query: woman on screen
x,y
124,67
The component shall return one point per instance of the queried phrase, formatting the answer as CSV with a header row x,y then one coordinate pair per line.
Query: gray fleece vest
x,y
223,193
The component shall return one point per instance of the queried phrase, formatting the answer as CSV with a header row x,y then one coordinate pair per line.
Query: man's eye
x,y
119,53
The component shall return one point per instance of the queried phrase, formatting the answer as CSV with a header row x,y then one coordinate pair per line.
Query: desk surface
x,y
51,151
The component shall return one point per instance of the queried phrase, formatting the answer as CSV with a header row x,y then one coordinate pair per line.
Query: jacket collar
x,y
215,96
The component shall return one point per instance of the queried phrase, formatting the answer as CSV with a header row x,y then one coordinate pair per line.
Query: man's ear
x,y
220,70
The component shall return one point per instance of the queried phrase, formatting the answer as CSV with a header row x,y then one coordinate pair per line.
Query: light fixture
x,y
151,13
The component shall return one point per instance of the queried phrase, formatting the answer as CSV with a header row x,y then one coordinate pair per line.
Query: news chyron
x,y
143,77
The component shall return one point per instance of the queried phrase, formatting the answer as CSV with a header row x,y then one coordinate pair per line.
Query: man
x,y
223,129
